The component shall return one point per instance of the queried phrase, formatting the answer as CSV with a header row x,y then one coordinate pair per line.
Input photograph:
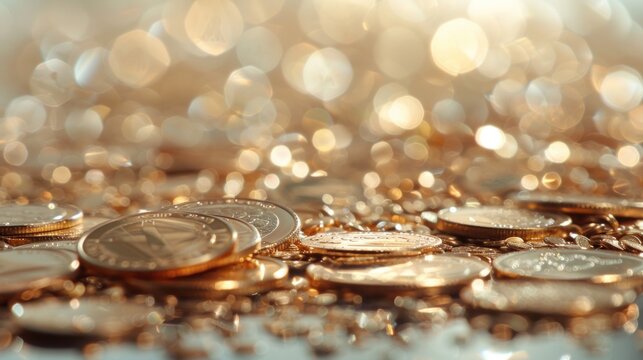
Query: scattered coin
x,y
499,222
256,275
157,245
25,269
87,317
277,224
431,274
597,266
547,298
369,243
580,204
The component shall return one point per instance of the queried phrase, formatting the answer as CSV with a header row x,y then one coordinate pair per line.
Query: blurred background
x,y
136,104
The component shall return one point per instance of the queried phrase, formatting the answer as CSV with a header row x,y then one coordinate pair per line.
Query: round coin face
x,y
369,242
23,269
549,298
248,277
431,272
581,204
570,264
276,224
89,317
24,219
157,244
499,222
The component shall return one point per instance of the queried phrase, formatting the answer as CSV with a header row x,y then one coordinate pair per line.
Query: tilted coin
x,y
276,224
255,275
157,245
383,243
33,218
598,266
546,297
580,204
248,241
430,274
85,317
499,222
24,269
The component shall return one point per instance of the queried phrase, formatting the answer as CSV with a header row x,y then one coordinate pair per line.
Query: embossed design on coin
x,y
151,244
89,317
549,298
432,272
567,264
22,219
370,242
276,224
498,222
22,269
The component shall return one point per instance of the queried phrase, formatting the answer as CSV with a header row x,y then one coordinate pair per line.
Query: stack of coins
x,y
33,223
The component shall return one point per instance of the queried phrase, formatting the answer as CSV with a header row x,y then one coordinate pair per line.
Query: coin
x,y
86,317
548,298
431,274
599,266
499,222
351,243
276,224
71,233
580,204
24,269
255,275
71,245
33,218
157,245
248,241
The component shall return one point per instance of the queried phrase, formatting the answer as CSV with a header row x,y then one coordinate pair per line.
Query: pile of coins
x,y
209,264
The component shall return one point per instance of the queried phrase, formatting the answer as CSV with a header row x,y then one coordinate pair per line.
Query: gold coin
x,y
546,297
24,269
71,233
499,222
34,218
369,243
276,224
431,274
599,266
248,241
245,278
85,317
157,245
580,204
